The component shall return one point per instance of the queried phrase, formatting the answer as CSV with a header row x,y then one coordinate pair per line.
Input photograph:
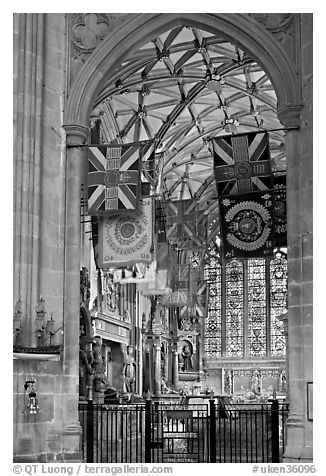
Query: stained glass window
x,y
234,308
278,296
256,292
213,331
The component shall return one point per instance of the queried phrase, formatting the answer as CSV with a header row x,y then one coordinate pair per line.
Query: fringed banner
x,y
246,222
127,239
113,178
242,163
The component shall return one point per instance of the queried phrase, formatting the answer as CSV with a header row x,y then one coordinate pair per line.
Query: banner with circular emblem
x,y
247,225
127,239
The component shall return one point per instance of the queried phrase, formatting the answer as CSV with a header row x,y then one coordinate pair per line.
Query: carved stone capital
x,y
290,116
76,134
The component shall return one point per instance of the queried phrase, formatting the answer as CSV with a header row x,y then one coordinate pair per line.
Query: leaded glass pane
x,y
256,307
278,298
234,308
214,313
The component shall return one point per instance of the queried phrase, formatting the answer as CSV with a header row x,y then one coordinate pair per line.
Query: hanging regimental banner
x,y
242,163
181,276
247,225
113,178
126,239
181,222
199,292
279,211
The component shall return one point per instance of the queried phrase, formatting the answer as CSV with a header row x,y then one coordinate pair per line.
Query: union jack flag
x,y
181,222
242,163
113,178
198,306
181,275
199,291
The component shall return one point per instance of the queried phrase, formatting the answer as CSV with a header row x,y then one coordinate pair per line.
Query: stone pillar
x,y
27,111
299,216
175,368
284,318
74,172
147,375
157,369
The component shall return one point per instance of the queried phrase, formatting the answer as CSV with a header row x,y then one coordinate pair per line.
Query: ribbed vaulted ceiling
x,y
183,88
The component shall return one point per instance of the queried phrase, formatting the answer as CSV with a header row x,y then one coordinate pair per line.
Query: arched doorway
x,y
254,39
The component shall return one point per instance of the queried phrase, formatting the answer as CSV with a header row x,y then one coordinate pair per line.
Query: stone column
x,y
74,172
284,318
147,374
175,368
27,111
299,216
157,369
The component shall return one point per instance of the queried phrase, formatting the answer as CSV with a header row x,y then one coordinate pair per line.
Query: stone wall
x,y
39,235
300,225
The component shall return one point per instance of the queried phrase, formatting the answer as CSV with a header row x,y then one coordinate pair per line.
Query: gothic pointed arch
x,y
240,28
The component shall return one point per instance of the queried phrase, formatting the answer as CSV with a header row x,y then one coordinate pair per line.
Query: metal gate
x,y
178,433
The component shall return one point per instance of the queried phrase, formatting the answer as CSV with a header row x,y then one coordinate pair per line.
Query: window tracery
x,y
234,308
278,303
255,295
213,320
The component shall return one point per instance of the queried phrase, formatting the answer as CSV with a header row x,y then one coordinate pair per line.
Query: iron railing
x,y
168,432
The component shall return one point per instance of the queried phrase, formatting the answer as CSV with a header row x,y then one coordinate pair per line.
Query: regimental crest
x,y
247,225
242,163
113,178
126,239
